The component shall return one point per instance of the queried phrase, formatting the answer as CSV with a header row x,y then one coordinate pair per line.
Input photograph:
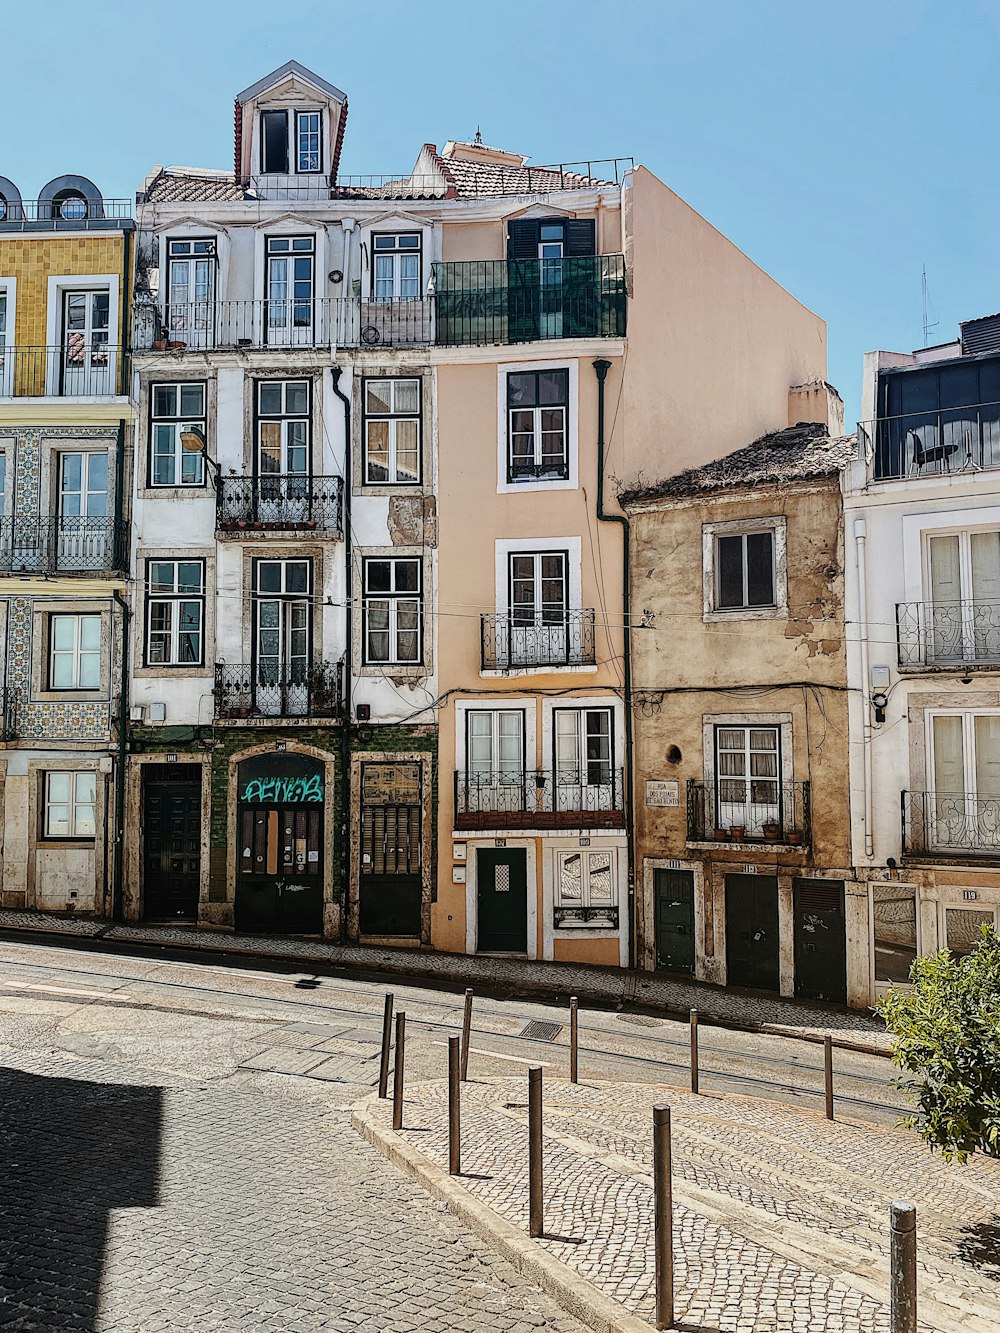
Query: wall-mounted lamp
x,y
193,442
880,701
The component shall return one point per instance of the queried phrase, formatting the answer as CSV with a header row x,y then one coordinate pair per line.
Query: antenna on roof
x,y
926,305
478,140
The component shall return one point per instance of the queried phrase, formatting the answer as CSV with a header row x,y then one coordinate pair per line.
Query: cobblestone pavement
x,y
596,983
137,1200
781,1218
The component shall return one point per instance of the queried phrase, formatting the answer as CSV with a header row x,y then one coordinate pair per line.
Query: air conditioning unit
x,y
157,712
137,712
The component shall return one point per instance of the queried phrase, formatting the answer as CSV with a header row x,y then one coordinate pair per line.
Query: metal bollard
x,y
466,1034
828,1074
397,1072
574,1068
903,1269
663,1233
694,1050
454,1106
535,1150
383,1069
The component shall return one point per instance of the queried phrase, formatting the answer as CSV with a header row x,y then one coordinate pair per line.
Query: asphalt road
x,y
178,1153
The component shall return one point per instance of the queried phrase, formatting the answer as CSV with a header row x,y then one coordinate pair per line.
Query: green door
x,y
752,931
674,891
502,899
820,940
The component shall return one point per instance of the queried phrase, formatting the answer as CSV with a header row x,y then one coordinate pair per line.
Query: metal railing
x,y
71,209
280,503
8,715
542,798
483,301
277,689
779,812
946,823
550,639
336,321
62,545
947,633
500,179
582,916
73,369
926,444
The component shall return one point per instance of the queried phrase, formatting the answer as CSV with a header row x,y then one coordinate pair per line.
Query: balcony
x,y
201,326
779,814
550,640
545,798
277,503
269,689
947,634
487,301
950,441
69,210
950,824
73,369
62,545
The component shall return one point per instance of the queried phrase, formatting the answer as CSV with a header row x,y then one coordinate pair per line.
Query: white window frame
x,y
536,428
393,600
300,170
571,481
290,148
179,422
58,286
396,252
76,652
284,418
711,532
8,288
586,854
971,790
783,721
392,418
73,803
174,599
966,629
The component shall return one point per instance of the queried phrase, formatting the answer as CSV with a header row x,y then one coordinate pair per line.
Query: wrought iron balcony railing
x,y
771,811
279,503
62,545
945,634
277,689
551,639
950,823
8,715
73,369
585,916
927,444
483,301
199,326
543,798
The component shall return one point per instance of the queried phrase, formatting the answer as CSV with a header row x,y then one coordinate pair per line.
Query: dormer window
x,y
276,140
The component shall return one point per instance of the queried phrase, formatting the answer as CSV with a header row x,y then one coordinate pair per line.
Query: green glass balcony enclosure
x,y
485,301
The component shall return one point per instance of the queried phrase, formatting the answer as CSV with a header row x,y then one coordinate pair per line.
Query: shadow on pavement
x,y
979,1245
70,1151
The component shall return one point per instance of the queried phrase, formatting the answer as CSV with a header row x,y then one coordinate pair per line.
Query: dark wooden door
x,y
171,845
391,881
279,883
674,891
502,900
752,931
820,940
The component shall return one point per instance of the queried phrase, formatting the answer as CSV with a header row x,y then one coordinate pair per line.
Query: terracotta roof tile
x,y
175,187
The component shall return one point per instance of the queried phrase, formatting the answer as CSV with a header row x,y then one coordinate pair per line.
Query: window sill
x,y
491,673
746,613
758,846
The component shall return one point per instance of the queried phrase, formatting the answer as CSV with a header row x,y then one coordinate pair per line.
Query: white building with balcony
x,y
922,519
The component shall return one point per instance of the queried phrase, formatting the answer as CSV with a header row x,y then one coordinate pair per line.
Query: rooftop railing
x,y
490,181
72,210
935,443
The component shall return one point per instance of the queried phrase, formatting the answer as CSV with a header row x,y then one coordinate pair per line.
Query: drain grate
x,y
539,1030
638,1020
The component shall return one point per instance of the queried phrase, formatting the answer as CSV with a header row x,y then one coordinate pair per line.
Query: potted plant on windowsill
x,y
739,832
794,837
721,835
771,831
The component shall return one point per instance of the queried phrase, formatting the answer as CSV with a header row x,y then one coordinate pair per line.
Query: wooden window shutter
x,y
522,238
580,236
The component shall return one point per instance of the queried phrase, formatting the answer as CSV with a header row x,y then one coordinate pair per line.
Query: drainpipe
x,y
601,368
345,720
861,542
125,340
348,224
118,870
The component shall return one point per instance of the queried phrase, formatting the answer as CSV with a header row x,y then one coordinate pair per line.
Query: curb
x,y
623,991
576,1295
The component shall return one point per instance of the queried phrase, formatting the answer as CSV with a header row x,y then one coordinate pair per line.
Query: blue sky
x,y
842,146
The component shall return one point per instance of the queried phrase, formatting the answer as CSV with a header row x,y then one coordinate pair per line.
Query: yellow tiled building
x,y
66,262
